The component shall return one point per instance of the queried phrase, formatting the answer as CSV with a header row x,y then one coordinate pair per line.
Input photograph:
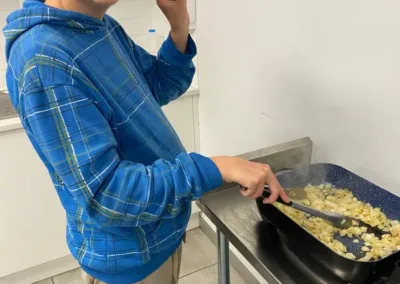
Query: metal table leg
x,y
223,259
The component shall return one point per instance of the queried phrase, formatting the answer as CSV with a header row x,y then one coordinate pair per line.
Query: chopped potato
x,y
324,197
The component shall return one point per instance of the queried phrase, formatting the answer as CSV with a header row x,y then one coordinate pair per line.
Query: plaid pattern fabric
x,y
90,101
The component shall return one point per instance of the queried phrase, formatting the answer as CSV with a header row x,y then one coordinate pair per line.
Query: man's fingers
x,y
258,192
252,192
243,191
284,195
275,187
281,192
274,194
257,176
269,200
246,192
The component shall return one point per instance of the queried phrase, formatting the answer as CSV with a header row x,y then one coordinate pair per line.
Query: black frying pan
x,y
348,270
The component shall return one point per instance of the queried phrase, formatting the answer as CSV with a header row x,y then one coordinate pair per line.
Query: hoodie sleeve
x,y
170,74
79,146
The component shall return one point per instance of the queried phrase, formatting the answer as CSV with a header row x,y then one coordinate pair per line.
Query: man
x,y
90,101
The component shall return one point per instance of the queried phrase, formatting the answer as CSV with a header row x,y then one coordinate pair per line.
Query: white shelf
x,y
193,91
10,124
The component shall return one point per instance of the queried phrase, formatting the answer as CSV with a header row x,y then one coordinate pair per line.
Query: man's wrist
x,y
180,29
180,38
224,164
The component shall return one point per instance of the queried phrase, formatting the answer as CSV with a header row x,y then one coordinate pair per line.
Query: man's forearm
x,y
180,38
178,17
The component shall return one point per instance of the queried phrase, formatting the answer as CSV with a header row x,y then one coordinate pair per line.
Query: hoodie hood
x,y
35,12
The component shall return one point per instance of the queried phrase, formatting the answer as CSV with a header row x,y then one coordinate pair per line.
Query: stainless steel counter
x,y
6,108
238,221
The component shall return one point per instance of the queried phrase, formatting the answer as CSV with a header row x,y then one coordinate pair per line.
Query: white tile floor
x,y
199,261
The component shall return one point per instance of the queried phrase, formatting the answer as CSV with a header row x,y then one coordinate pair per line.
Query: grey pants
x,y
168,273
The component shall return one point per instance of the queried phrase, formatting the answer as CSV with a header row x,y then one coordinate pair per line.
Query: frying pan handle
x,y
267,193
395,277
283,171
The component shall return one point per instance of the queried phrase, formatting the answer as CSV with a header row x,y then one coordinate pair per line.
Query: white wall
x,y
6,7
272,71
31,215
136,18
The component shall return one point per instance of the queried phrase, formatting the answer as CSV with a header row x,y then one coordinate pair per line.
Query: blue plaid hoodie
x,y
90,101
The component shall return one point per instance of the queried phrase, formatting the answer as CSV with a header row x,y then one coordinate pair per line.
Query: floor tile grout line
x,y
208,266
59,274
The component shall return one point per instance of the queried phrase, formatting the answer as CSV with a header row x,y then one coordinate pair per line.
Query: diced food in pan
x,y
325,198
